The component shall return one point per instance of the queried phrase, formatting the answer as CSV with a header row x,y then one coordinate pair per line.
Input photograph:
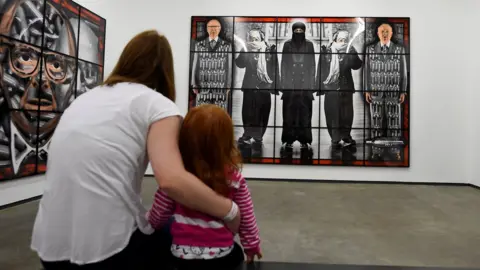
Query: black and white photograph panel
x,y
387,72
212,34
296,144
89,76
387,35
389,150
255,70
61,26
386,111
342,35
255,34
349,149
342,109
209,70
253,108
256,143
297,108
340,72
341,63
298,35
297,71
216,96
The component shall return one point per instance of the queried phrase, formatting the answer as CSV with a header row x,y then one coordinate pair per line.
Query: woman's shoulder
x,y
152,105
143,94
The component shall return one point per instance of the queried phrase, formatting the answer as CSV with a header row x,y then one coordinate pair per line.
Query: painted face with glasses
x,y
32,82
34,78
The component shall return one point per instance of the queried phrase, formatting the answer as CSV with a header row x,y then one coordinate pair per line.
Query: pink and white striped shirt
x,y
197,235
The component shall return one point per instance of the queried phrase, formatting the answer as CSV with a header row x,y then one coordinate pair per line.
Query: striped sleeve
x,y
162,209
248,232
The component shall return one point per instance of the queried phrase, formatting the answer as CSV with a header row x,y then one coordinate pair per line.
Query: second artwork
x,y
318,91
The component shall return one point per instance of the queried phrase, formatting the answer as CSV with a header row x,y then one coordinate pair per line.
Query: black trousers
x,y
142,252
297,118
255,113
229,262
339,114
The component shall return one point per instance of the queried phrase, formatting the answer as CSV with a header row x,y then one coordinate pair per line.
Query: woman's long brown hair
x,y
146,59
208,147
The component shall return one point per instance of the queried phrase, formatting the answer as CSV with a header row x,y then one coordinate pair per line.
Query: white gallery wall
x,y
436,118
444,94
473,100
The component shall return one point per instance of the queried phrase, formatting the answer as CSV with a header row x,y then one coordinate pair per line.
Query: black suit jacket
x,y
247,61
397,51
287,76
348,62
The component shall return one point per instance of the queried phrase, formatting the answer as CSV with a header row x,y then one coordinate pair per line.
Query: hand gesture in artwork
x,y
402,98
368,97
195,90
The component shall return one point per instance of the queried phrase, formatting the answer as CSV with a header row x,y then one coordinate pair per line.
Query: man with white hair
x,y
211,74
334,74
386,82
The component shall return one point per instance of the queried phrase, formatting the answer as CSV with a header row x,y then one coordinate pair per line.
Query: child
x,y
209,152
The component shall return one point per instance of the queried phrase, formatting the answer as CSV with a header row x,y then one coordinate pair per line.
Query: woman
x,y
91,215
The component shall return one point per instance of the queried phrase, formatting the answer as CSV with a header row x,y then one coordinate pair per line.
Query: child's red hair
x,y
208,147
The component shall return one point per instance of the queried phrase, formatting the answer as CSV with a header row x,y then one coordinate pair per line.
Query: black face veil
x,y
298,38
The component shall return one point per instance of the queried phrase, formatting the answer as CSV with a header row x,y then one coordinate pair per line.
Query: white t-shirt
x,y
97,159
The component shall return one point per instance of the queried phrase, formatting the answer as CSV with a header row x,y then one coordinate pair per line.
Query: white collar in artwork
x,y
388,44
210,39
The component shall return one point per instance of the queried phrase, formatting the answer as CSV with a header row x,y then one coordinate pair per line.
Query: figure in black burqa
x,y
297,84
336,83
258,84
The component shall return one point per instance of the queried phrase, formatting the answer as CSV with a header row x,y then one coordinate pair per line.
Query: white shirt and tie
x,y
213,42
385,47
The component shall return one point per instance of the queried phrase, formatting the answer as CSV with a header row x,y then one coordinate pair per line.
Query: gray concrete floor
x,y
407,225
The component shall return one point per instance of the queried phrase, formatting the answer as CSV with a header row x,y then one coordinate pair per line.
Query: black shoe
x,y
288,147
349,141
336,145
305,146
244,141
257,143
258,140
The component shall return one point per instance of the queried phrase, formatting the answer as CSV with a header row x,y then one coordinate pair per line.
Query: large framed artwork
x,y
51,51
308,90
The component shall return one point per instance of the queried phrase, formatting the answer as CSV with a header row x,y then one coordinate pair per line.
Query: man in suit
x,y
211,69
258,84
336,82
386,82
297,82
